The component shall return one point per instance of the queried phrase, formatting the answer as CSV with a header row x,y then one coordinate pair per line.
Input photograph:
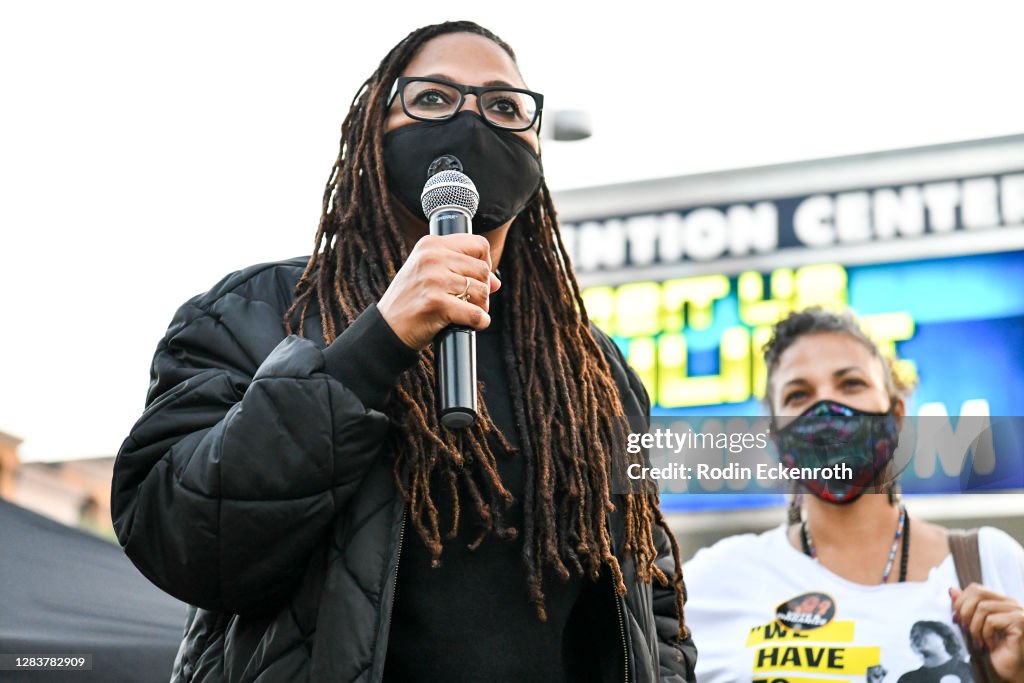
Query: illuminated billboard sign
x,y
957,323
926,246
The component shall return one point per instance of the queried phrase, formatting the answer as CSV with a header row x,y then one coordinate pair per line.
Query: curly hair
x,y
817,320
949,639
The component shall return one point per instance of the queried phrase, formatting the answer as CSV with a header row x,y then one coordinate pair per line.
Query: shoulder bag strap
x,y
963,544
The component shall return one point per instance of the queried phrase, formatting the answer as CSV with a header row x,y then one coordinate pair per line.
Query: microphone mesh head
x,y
452,189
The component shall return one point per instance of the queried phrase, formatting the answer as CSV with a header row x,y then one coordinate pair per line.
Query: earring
x,y
894,493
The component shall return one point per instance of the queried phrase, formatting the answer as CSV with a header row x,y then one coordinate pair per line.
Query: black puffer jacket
x,y
255,487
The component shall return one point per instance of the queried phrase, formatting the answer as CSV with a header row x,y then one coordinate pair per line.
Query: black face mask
x,y
503,166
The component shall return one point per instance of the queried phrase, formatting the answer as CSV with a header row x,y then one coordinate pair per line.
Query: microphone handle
x,y
455,345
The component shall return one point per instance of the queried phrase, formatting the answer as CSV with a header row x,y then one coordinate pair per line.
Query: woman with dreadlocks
x,y
290,477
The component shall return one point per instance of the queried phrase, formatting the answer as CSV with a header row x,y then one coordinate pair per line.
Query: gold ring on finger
x,y
465,293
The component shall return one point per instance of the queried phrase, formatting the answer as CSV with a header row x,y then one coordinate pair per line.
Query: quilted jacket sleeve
x,y
677,659
250,445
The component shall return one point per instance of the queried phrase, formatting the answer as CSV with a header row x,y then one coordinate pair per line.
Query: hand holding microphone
x,y
423,298
449,202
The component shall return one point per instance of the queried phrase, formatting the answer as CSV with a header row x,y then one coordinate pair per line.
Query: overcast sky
x,y
147,149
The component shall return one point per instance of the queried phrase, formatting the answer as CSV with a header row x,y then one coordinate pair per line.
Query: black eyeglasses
x,y
435,99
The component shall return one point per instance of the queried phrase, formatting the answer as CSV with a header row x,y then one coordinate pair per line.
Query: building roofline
x,y
963,158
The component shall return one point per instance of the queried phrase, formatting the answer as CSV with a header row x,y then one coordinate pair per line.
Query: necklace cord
x,y
901,541
905,550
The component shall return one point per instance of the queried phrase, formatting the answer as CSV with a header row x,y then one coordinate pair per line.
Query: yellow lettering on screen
x,y
636,309
822,285
600,305
759,337
673,303
735,365
817,659
651,318
833,632
817,285
700,293
731,385
754,308
674,387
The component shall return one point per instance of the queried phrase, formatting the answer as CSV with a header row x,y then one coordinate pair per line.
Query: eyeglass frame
x,y
398,89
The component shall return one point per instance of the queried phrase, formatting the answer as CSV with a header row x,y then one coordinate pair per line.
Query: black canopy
x,y
64,592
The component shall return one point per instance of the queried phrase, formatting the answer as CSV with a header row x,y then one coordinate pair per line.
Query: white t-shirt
x,y
849,632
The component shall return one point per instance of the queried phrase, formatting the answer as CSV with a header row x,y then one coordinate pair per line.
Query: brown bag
x,y
963,544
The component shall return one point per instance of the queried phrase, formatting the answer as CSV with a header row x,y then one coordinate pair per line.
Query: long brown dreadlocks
x,y
561,390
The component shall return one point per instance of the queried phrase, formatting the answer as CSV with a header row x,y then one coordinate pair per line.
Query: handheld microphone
x,y
450,200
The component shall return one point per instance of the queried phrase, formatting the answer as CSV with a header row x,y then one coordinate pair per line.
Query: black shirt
x,y
471,619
